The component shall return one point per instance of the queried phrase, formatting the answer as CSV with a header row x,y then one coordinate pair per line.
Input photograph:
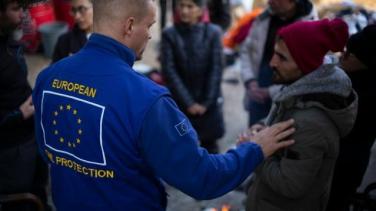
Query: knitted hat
x,y
309,41
363,46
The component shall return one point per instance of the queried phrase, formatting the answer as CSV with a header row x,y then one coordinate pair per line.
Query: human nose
x,y
273,62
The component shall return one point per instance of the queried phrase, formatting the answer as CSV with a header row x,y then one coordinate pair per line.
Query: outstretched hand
x,y
270,138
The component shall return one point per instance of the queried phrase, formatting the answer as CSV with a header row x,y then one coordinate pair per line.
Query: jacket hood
x,y
328,88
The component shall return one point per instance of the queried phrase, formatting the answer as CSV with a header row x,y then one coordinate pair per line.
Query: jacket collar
x,y
112,46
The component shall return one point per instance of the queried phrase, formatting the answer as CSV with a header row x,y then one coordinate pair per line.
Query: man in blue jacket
x,y
111,134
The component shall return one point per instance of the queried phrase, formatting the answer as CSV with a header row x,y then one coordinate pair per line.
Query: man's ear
x,y
129,26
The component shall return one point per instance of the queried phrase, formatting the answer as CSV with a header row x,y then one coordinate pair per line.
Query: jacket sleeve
x,y
10,118
215,75
292,174
60,50
169,145
247,73
170,72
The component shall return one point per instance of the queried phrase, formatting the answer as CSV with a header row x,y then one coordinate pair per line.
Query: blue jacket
x,y
110,135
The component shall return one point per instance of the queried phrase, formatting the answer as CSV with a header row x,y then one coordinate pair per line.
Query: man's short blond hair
x,y
107,10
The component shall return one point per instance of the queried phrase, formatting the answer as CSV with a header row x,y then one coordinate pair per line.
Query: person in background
x,y
319,96
111,135
359,62
72,41
219,13
164,11
21,169
192,65
257,50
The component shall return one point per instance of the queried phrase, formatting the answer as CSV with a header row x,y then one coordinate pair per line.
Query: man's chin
x,y
139,56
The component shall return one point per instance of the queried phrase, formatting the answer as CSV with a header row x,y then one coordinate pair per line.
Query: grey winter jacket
x,y
298,178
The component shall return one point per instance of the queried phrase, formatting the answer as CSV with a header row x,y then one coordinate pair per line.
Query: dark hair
x,y
4,4
200,3
363,46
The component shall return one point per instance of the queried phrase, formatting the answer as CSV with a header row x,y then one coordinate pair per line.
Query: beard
x,y
277,78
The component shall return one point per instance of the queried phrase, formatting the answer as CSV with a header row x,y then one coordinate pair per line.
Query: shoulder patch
x,y
183,127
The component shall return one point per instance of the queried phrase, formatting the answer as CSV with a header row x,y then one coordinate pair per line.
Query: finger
x,y
243,136
285,134
284,144
281,126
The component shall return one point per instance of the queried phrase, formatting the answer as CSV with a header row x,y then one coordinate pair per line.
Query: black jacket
x,y
192,63
355,148
69,43
14,90
192,66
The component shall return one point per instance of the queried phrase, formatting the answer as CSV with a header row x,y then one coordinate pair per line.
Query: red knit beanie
x,y
309,41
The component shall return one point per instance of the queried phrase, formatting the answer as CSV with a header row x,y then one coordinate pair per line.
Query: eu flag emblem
x,y
183,127
73,126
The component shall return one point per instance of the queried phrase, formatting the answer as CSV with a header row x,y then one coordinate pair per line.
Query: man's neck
x,y
289,14
89,30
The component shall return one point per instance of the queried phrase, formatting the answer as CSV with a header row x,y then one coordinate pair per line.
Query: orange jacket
x,y
239,31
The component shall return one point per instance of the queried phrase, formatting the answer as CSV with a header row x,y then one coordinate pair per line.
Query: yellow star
x,y
79,121
56,113
69,107
54,122
74,112
61,108
78,141
80,131
62,140
56,132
